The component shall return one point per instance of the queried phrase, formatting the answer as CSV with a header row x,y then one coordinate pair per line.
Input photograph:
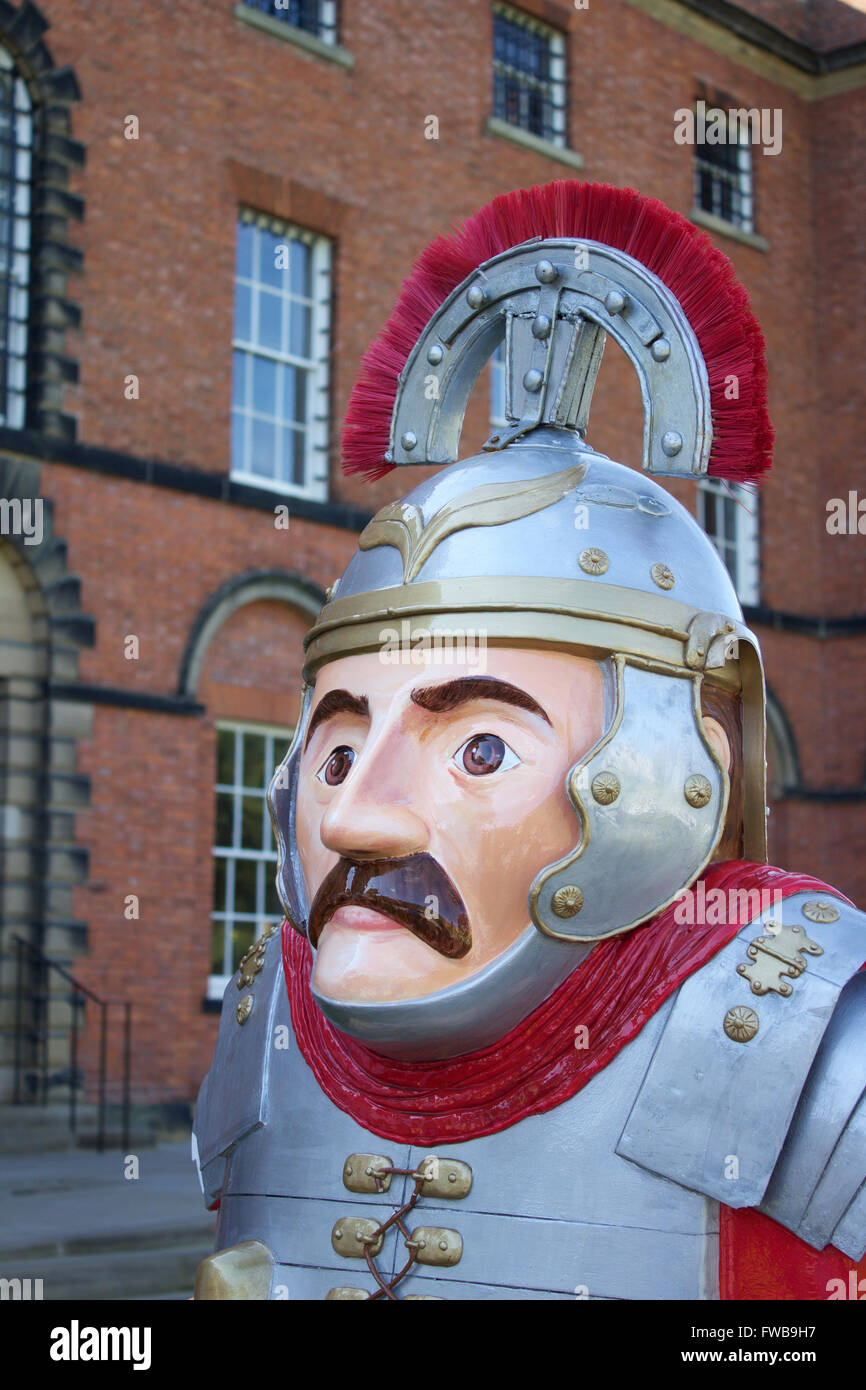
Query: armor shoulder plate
x,y
730,1099
232,1100
822,1166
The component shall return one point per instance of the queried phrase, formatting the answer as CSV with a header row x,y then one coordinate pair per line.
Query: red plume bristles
x,y
697,273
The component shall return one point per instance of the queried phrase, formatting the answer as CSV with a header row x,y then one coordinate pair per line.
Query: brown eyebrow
x,y
439,699
336,702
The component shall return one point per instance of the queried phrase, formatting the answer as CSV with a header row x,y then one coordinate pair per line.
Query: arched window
x,y
16,169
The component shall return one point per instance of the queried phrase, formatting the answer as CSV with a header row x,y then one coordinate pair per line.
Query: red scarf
x,y
537,1065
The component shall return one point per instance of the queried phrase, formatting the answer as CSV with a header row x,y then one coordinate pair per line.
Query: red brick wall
x,y
229,114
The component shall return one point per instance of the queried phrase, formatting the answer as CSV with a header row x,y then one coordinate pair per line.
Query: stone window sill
x,y
723,228
299,37
524,138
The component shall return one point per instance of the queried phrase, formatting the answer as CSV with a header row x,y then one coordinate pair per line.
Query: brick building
x,y
171,385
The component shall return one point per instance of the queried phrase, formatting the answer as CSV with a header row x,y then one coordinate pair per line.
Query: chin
x,y
363,967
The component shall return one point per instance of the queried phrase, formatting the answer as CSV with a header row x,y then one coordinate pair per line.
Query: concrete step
x,y
45,1128
113,1275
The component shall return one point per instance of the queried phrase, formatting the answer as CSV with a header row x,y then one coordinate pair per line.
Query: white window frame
x,y
558,89
315,430
740,555
281,738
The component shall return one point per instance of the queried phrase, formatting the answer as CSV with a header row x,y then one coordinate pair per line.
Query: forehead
x,y
560,681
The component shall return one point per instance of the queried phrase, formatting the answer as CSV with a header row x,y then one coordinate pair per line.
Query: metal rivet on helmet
x,y
567,901
663,576
606,788
697,790
593,561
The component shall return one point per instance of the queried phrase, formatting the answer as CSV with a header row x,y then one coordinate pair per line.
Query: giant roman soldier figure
x,y
541,1021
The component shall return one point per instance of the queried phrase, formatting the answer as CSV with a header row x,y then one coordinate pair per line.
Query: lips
x,y
414,893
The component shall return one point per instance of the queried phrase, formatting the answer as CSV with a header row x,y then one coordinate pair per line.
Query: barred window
x,y
528,74
723,180
729,515
245,855
317,17
16,156
281,348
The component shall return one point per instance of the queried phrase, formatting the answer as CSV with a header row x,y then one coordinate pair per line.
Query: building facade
x,y
208,209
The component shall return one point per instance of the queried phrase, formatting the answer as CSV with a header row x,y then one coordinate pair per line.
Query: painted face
x,y
429,798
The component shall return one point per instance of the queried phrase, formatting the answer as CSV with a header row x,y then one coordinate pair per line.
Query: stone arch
x,y
52,92
250,587
41,633
782,756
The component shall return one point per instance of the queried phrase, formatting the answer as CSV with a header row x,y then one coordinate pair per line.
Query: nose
x,y
376,812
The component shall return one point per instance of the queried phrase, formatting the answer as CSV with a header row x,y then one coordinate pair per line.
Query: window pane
x,y
254,760
243,937
301,269
297,383
239,377
252,811
219,884
218,946
239,424
270,320
264,385
224,819
263,458
300,329
226,756
269,274
245,885
244,250
243,313
297,456
273,906
730,507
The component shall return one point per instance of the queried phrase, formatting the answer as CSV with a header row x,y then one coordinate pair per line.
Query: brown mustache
x,y
398,888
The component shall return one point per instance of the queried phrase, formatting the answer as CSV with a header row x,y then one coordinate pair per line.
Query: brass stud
x,y
593,561
741,1023
697,790
663,576
820,910
244,1008
606,788
567,901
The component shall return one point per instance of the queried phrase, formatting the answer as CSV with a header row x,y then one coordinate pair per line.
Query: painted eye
x,y
337,768
483,754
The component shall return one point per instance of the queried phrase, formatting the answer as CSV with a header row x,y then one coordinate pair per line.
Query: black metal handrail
x,y
39,1035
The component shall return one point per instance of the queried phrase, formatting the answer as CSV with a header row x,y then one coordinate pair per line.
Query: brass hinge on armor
x,y
362,1237
776,955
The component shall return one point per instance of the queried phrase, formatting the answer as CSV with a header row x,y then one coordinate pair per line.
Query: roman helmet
x,y
492,544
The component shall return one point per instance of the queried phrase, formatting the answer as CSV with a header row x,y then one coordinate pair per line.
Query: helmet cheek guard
x,y
651,798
